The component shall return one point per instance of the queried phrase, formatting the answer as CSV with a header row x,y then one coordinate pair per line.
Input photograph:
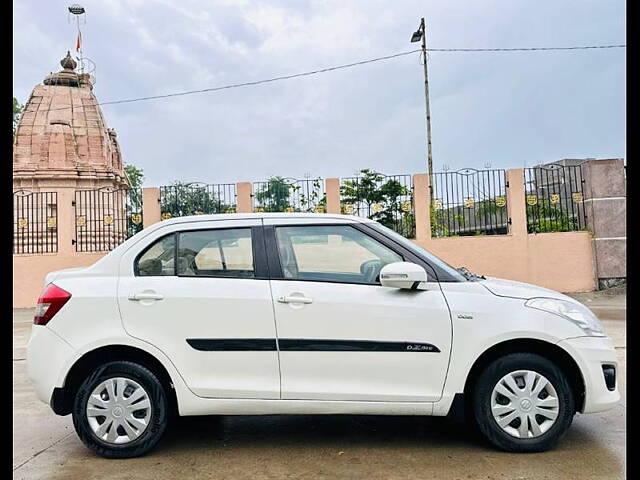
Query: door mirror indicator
x,y
402,275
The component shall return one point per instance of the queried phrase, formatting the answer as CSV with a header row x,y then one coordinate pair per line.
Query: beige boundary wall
x,y
560,261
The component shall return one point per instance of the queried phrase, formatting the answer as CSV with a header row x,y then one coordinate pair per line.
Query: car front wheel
x,y
120,410
522,402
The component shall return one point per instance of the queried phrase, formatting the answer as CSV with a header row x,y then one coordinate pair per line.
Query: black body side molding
x,y
306,345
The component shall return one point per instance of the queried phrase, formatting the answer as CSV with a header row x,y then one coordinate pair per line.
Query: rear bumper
x,y
47,354
591,354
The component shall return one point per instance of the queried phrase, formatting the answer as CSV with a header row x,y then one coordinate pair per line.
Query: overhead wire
x,y
340,67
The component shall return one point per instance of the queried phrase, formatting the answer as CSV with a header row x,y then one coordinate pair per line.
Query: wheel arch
x,y
550,351
63,397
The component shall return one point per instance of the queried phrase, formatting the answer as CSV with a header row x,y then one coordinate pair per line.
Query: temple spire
x,y
67,76
68,63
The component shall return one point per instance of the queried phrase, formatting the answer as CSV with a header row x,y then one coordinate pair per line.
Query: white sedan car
x,y
307,314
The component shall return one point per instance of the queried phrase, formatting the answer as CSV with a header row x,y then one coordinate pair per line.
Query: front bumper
x,y
47,354
591,353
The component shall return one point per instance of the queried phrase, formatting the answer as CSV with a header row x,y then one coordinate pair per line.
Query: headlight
x,y
574,312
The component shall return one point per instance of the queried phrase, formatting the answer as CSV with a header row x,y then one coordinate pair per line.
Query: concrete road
x,y
45,445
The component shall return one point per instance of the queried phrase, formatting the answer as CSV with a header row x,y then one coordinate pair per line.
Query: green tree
x,y
444,221
280,194
313,199
135,176
382,200
486,209
17,110
545,216
180,199
439,225
274,197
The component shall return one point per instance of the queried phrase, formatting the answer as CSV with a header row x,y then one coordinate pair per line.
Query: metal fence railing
x,y
469,202
195,198
387,199
35,222
279,194
554,198
106,217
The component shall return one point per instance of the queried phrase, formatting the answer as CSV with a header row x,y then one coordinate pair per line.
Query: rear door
x,y
342,336
199,292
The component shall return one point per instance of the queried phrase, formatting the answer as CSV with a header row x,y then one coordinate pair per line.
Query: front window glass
x,y
421,252
217,253
333,253
158,259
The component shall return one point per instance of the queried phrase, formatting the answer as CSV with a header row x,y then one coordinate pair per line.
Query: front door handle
x,y
145,296
294,299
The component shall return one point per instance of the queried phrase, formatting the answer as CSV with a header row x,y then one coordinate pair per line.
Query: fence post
x,y
66,221
605,203
150,206
332,189
244,191
516,206
421,206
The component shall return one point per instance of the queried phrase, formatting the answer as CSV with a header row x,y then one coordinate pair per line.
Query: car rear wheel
x,y
523,403
120,410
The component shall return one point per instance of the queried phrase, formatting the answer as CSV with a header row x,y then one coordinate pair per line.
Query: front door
x,y
341,335
202,297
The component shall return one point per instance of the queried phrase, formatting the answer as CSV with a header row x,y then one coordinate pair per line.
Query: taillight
x,y
50,302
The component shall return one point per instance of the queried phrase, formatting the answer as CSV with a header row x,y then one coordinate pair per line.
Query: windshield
x,y
418,250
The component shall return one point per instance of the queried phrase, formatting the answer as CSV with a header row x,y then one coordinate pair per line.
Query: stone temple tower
x,y
71,201
62,139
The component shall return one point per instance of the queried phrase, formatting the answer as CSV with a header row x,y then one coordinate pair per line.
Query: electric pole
x,y
421,35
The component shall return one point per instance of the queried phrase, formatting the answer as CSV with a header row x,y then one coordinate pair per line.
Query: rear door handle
x,y
145,296
294,299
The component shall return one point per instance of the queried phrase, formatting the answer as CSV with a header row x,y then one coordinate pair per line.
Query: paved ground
x,y
45,445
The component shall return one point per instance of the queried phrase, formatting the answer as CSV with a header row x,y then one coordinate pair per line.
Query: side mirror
x,y
402,275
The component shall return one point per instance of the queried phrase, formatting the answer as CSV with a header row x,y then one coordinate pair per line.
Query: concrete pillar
x,y
332,189
150,206
244,192
421,206
66,221
605,202
516,205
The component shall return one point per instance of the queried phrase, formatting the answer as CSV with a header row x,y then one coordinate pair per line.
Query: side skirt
x,y
217,406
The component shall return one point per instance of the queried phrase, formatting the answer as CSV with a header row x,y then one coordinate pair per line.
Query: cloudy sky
x,y
506,109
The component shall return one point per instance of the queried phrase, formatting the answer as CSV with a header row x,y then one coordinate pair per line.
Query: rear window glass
x,y
158,259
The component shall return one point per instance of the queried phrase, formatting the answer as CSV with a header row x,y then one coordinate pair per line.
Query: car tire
x,y
506,392
132,424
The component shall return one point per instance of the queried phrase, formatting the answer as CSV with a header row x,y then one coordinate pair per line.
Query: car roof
x,y
241,216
